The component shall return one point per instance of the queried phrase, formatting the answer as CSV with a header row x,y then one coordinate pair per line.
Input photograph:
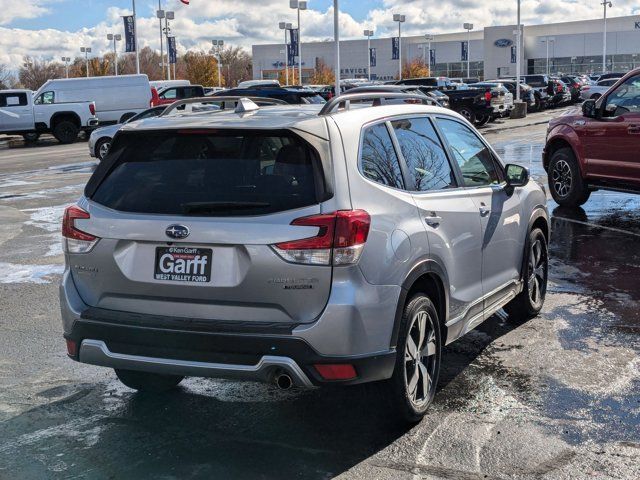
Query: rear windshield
x,y
223,173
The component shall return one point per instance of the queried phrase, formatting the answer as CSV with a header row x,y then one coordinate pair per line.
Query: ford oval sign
x,y
503,43
177,231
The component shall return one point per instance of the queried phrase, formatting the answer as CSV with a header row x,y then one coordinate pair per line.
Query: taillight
x,y
487,96
559,88
340,239
92,108
75,240
586,87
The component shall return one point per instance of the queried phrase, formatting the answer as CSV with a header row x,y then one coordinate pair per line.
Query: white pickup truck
x,y
22,114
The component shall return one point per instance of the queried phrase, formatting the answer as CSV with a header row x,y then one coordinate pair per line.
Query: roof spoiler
x,y
343,102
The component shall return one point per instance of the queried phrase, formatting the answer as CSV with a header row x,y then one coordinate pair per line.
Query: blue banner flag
x,y
294,35
513,54
395,48
173,54
432,57
372,57
129,33
291,55
464,52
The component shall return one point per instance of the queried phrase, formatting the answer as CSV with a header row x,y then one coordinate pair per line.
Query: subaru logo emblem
x,y
177,231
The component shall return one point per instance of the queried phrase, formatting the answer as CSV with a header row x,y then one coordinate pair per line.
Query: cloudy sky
x,y
52,28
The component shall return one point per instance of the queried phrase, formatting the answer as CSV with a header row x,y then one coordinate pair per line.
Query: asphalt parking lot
x,y
555,398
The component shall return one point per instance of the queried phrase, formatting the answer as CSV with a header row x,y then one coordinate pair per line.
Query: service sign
x,y
503,43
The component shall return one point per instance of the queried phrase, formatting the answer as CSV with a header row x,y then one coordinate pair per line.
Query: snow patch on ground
x,y
13,273
47,218
15,183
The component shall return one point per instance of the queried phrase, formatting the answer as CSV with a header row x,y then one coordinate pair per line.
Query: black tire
x,y
65,131
411,406
568,188
102,148
483,120
468,114
126,117
31,137
536,272
148,382
538,104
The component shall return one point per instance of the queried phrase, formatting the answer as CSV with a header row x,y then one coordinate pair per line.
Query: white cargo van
x,y
116,98
164,84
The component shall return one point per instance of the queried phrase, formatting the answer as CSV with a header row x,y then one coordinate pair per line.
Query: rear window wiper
x,y
206,207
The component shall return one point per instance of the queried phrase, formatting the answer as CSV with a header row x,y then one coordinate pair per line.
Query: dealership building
x,y
569,47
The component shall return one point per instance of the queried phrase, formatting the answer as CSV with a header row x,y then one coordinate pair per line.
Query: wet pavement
x,y
556,397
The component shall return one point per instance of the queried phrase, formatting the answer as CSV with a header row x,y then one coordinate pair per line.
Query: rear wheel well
x,y
432,286
553,146
542,224
68,116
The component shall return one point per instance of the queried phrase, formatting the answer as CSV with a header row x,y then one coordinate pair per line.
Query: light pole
x,y
368,34
299,5
66,61
160,16
135,29
548,40
167,30
217,48
605,4
336,38
518,41
429,38
86,51
400,19
468,27
116,38
286,26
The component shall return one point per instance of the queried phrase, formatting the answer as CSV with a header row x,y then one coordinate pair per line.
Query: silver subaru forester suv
x,y
300,245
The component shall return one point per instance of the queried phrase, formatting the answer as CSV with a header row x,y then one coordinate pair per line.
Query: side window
x,y
473,157
13,99
379,161
170,93
45,98
426,160
624,99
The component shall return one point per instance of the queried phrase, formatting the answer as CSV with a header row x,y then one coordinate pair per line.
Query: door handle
x,y
633,129
433,220
484,211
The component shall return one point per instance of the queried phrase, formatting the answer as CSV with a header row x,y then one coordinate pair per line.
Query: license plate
x,y
183,264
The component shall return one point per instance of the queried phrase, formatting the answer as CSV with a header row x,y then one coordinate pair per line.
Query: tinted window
x,y
223,174
379,160
473,157
151,113
625,98
536,81
428,166
13,99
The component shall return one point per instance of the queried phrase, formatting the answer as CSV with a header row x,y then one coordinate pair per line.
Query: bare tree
x,y
237,65
6,77
33,72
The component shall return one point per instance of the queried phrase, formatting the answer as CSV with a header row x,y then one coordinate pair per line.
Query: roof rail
x,y
378,99
224,101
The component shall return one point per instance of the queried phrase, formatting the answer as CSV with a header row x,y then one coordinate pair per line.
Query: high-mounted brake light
x,y
340,239
75,240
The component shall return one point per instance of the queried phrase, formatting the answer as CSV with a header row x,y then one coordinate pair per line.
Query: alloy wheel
x,y
562,178
104,149
537,273
420,359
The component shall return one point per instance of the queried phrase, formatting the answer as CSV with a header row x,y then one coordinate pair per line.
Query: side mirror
x,y
517,176
589,108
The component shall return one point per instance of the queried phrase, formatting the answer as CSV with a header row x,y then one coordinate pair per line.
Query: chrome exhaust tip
x,y
283,381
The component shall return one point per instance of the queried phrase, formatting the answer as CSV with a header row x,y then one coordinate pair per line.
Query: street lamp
x,y
548,40
286,26
160,16
368,34
299,5
605,4
135,29
400,19
429,38
116,38
468,27
66,61
86,51
217,48
167,30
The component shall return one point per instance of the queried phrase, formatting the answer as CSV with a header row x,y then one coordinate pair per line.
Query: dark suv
x,y
291,95
597,149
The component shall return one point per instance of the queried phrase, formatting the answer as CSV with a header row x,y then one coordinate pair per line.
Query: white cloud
x,y
244,22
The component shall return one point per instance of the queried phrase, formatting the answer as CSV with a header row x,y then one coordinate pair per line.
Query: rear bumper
x,y
157,348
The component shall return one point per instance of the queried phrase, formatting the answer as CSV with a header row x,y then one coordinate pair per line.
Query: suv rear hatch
x,y
187,221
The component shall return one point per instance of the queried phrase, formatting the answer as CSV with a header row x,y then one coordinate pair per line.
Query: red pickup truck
x,y
598,148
